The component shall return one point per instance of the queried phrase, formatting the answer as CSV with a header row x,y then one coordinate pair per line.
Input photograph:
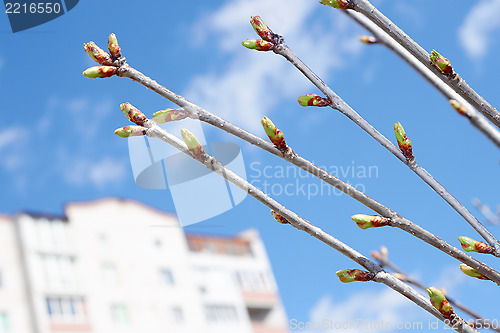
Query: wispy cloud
x,y
13,145
251,84
100,173
475,32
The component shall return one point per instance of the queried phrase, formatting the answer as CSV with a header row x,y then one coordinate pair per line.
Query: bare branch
x,y
340,105
384,261
296,221
474,117
396,220
453,80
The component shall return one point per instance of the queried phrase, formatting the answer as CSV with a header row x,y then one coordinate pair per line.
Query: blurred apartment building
x,y
117,265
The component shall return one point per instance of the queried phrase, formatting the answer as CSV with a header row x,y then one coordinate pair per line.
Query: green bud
x,y
471,245
403,141
193,145
472,272
131,130
133,114
367,221
441,62
459,107
96,53
113,47
313,100
261,28
440,302
100,72
257,44
339,4
274,134
278,217
168,115
351,275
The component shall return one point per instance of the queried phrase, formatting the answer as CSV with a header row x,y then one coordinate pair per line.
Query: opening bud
x,y
368,221
100,72
257,44
193,145
351,275
441,62
274,134
261,28
99,55
472,272
133,114
339,4
113,47
471,245
313,100
167,115
131,130
404,142
278,217
440,302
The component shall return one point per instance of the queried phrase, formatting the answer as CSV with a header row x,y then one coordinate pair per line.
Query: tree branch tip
x,y
351,275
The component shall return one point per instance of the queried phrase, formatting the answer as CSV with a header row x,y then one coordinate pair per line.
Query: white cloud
x,y
101,173
252,83
362,311
13,145
475,31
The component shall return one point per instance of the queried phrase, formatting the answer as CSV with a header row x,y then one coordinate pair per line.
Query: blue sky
x,y
57,143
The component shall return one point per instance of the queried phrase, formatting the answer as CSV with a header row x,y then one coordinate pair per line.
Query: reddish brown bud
x,y
278,217
133,114
113,47
351,275
313,100
404,142
99,55
261,28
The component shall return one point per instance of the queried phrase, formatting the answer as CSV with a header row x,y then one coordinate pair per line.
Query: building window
x,y
66,309
252,281
166,276
176,315
4,323
119,313
59,270
109,273
221,313
52,233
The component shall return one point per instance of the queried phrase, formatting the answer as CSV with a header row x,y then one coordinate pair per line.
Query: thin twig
x,y
299,223
396,220
474,117
340,105
384,261
453,80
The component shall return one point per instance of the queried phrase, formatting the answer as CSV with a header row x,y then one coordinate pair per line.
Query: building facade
x,y
116,265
